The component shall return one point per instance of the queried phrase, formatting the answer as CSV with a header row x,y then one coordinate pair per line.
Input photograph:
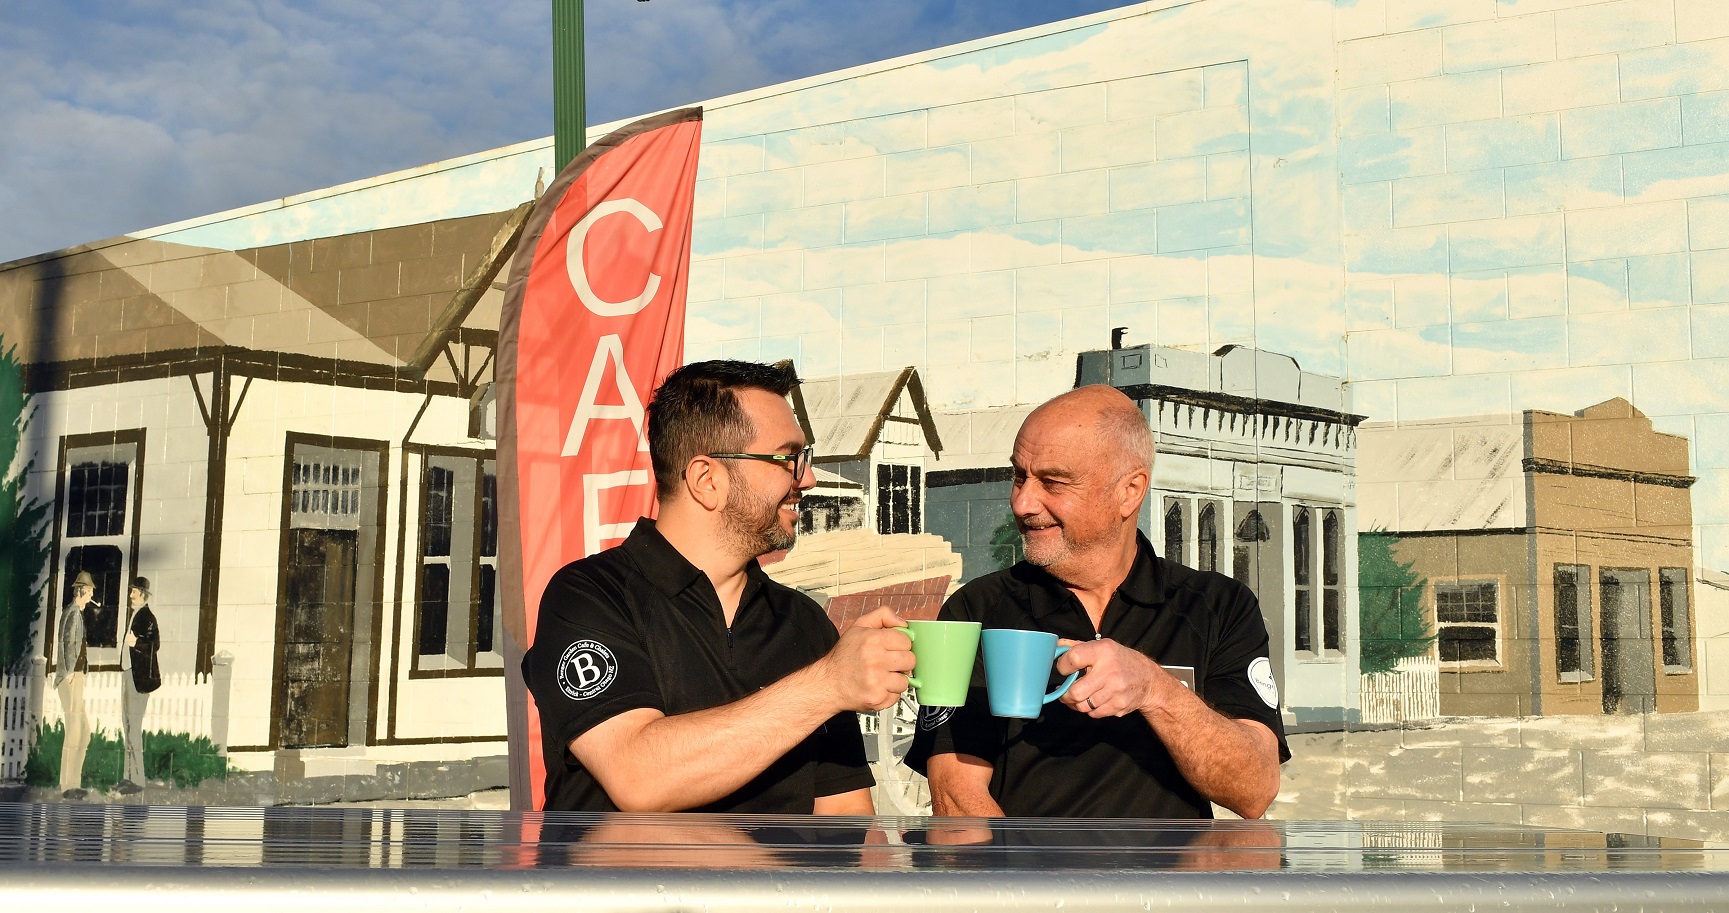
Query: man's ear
x,y
706,482
1133,490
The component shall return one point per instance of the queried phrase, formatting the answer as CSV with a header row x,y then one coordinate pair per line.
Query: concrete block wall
x,y
980,240
1528,186
1660,775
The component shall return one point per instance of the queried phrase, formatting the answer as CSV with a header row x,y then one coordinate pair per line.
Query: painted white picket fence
x,y
16,725
184,703
1411,692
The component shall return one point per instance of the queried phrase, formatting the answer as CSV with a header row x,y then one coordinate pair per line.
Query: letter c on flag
x,y
579,274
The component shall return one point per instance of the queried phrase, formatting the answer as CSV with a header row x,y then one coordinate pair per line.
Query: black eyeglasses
x,y
798,461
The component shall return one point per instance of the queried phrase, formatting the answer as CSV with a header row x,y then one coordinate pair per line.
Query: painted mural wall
x,y
1427,303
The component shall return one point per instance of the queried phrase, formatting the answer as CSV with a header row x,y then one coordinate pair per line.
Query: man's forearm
x,y
961,786
1230,762
689,760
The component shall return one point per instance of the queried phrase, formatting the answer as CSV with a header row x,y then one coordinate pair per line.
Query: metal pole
x,y
569,108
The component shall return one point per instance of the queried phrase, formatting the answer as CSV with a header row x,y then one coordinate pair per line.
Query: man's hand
x,y
1118,681
131,639
1232,762
868,668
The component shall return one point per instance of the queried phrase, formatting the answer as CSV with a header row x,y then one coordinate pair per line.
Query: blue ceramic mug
x,y
1017,665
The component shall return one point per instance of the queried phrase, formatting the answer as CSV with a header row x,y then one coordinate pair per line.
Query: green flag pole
x,y
569,108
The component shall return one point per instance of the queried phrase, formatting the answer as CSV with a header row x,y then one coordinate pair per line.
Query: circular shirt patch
x,y
932,717
585,670
1261,676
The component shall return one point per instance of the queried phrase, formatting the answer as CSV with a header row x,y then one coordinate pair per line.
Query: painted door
x,y
1629,675
317,638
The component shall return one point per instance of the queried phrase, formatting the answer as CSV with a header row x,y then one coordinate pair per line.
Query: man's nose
x,y
1023,500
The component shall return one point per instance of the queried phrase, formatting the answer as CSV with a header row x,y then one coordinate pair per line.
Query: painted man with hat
x,y
141,674
69,669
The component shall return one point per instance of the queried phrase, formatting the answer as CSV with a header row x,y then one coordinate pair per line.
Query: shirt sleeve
x,y
841,766
970,729
1240,682
588,663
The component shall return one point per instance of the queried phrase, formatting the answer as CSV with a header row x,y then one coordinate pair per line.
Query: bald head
x,y
1122,435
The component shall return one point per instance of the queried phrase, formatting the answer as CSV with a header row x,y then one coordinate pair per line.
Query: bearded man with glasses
x,y
671,674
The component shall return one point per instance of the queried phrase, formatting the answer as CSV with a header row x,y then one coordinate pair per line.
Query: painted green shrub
x,y
1006,543
170,757
1390,593
23,523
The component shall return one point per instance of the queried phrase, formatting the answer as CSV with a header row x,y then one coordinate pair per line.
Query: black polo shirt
x,y
640,626
1203,627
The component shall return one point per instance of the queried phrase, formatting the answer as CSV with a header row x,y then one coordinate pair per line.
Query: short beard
x,y
1040,558
755,533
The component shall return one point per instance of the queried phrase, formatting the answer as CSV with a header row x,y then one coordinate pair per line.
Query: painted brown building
x,y
1554,552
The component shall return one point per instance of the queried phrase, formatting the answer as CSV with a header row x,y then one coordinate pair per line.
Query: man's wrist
x,y
816,680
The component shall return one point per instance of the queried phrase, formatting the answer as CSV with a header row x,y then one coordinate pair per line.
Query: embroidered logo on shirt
x,y
1261,676
932,717
585,670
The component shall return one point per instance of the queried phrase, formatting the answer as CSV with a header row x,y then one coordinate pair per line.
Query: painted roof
x,y
385,297
844,415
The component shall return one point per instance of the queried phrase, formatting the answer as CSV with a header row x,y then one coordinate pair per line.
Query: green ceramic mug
x,y
943,653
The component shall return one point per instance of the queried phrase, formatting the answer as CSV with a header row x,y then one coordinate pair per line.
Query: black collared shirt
x,y
639,626
1066,764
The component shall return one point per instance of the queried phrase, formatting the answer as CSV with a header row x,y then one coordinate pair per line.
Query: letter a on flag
x,y
593,320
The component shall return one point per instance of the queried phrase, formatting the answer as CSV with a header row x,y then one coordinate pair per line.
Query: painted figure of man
x,y
69,669
140,675
670,672
1176,707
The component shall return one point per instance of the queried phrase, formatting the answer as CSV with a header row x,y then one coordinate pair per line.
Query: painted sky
x,y
120,116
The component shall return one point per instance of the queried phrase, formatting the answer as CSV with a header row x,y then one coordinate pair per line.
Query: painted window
x,y
1251,529
1207,538
1303,580
1574,649
829,513
1332,577
458,624
1468,622
1174,522
1675,614
98,527
900,495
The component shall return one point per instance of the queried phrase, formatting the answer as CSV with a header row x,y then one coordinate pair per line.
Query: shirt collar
x,y
1144,586
664,566
671,572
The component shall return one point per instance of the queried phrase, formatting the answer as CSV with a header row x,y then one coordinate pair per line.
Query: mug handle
x,y
1064,687
908,631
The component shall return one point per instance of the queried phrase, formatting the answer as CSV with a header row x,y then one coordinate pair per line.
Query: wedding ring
x,y
1090,704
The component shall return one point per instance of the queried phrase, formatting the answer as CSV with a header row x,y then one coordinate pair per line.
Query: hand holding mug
x,y
868,668
1118,680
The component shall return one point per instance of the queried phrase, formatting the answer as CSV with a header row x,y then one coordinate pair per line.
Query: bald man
x,y
1176,708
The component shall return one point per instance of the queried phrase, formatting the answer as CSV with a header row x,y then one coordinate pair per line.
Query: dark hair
x,y
695,411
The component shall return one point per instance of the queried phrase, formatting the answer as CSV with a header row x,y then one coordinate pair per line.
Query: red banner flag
x,y
593,321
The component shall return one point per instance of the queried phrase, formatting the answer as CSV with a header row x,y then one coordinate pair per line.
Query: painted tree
x,y
1006,543
1390,593
23,521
